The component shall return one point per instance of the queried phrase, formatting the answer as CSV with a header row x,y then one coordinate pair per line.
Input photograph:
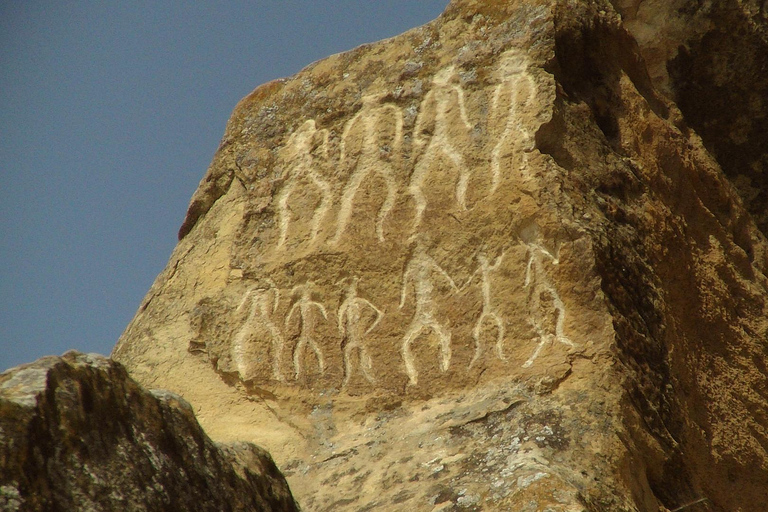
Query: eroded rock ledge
x,y
76,433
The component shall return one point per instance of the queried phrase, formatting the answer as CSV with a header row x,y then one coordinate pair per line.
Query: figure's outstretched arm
x,y
245,299
321,308
379,315
447,277
290,313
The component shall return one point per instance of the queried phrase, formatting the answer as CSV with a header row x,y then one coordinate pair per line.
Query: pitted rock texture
x,y
483,265
711,58
76,433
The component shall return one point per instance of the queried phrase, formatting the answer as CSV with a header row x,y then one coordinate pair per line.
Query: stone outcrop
x,y
487,264
76,433
711,59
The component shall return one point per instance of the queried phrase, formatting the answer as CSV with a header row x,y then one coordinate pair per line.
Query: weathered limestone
x,y
76,433
481,265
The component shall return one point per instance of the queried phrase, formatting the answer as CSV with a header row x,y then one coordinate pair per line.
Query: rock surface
x,y
76,433
486,265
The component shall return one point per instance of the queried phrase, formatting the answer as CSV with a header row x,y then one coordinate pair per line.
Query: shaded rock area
x,y
711,58
76,433
503,261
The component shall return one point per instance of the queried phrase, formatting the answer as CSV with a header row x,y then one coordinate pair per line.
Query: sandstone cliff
x,y
76,433
489,264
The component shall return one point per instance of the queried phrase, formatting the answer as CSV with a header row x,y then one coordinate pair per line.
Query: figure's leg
x,y
319,355
389,203
445,344
277,351
416,184
500,331
463,183
325,199
476,335
345,209
297,356
284,216
347,363
535,354
413,331
366,364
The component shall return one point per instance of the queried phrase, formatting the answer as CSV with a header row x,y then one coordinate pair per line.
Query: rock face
x,y
711,58
76,433
487,264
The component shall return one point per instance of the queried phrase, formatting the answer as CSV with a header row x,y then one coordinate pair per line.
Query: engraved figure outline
x,y
536,278
489,311
438,143
349,316
301,145
371,115
419,273
513,70
259,314
306,324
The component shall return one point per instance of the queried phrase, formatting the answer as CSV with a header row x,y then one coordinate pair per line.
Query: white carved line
x,y
419,274
442,97
513,71
307,324
350,326
299,149
259,315
371,116
489,312
536,277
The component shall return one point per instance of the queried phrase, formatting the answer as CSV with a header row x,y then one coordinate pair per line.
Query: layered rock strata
x,y
482,265
76,433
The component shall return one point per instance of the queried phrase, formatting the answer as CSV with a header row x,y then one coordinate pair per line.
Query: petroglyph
x,y
539,289
304,305
353,330
263,304
514,93
419,274
299,152
489,312
444,108
376,157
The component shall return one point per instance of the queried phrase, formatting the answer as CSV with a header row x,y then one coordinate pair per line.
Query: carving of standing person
x,y
513,95
371,124
442,119
419,274
353,330
304,305
548,321
264,302
489,312
299,152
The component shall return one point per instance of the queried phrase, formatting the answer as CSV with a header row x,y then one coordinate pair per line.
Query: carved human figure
x,y
444,111
514,93
376,156
419,274
304,305
299,151
489,312
263,304
539,287
353,329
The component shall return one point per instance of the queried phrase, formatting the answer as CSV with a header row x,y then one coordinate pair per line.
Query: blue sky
x,y
110,113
